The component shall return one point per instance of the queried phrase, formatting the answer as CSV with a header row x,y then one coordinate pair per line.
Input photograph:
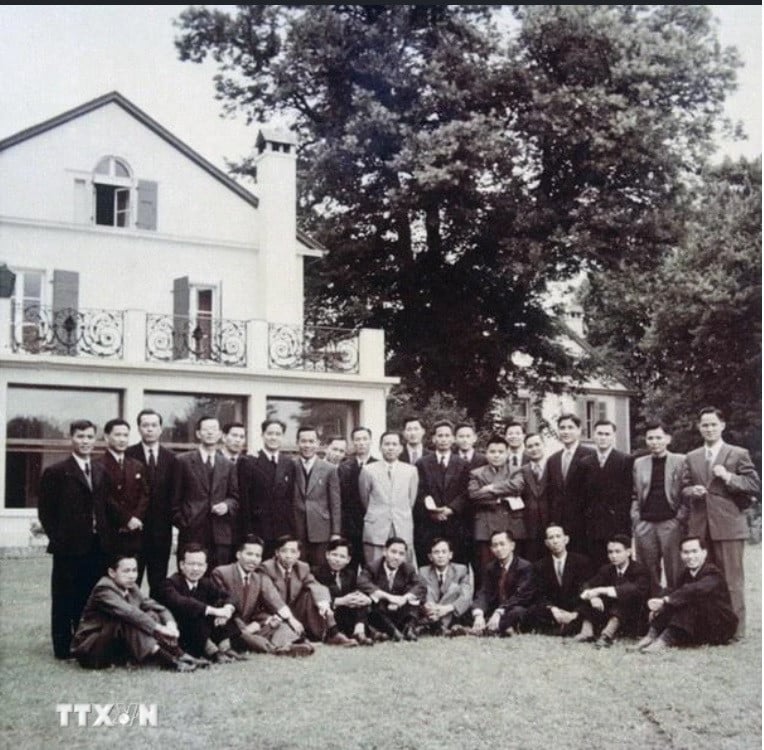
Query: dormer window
x,y
113,186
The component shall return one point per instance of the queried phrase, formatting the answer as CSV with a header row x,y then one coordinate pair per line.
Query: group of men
x,y
515,541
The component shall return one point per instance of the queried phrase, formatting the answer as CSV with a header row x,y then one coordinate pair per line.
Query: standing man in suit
x,y
465,439
658,514
205,501
413,433
514,432
450,589
266,488
387,492
317,502
126,498
336,450
564,481
353,510
233,443
68,511
607,487
560,577
159,470
719,481
442,496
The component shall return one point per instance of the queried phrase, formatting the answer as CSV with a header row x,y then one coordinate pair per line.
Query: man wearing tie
x,y
159,469
719,481
465,438
234,441
413,433
514,432
68,511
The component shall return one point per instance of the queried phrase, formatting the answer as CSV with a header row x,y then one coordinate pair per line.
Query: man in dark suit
x,y
564,481
396,590
507,590
719,481
353,510
465,439
441,497
413,434
614,599
69,513
514,433
203,610
607,487
317,502
560,578
120,624
266,488
159,470
205,501
697,611
126,498
233,441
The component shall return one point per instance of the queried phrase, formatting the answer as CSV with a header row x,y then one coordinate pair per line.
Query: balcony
x,y
136,337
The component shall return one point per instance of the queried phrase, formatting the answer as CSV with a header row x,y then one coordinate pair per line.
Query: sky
x,y
56,57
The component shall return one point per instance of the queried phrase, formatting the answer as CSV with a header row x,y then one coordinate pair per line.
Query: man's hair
x,y
697,539
572,417
514,423
604,423
306,428
532,435
147,413
497,439
391,432
443,423
360,429
192,548
464,425
285,539
656,425
339,542
396,540
268,422
112,423
249,539
509,534
623,539
228,426
554,526
412,418
711,410
81,424
115,559
439,540
205,418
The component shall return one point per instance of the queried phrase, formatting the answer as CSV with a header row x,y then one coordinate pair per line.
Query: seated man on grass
x,y
614,600
396,590
698,611
119,625
203,610
264,622
450,589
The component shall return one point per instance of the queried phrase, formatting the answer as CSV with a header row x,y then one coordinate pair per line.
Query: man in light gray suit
x,y
317,504
388,490
658,514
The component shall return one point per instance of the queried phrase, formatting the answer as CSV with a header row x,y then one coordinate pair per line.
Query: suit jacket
x,y
190,605
533,493
193,499
326,576
267,495
632,590
107,605
67,506
259,600
447,490
317,506
642,475
607,495
475,462
575,574
157,523
353,510
301,579
719,515
458,586
566,495
388,502
491,511
407,459
126,496
518,589
406,580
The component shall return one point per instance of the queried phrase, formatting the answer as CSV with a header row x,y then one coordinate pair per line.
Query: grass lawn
x,y
527,692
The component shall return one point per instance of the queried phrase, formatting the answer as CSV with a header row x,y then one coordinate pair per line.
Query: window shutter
x,y
181,299
147,205
66,293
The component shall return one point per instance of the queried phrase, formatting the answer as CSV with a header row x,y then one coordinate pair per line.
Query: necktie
x,y
465,456
566,456
514,462
338,580
558,570
602,457
288,578
390,580
246,579
87,475
245,596
441,579
390,472
273,460
152,465
536,468
443,463
210,468
414,456
502,580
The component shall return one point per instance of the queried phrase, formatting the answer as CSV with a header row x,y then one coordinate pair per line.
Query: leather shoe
x,y
234,655
340,639
172,663
221,657
199,662
256,643
363,640
295,649
378,636
409,633
604,641
457,630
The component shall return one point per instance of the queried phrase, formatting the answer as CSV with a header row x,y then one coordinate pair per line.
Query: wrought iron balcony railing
x,y
315,349
39,329
202,339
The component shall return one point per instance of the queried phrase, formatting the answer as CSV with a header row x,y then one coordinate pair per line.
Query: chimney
x,y
574,319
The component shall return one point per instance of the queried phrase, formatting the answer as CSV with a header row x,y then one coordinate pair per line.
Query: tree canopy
x,y
456,163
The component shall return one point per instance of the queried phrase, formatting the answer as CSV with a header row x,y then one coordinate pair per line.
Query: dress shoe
x,y
378,636
234,655
604,641
199,662
340,639
256,643
395,635
295,650
662,643
455,631
643,642
221,657
409,633
363,640
171,663
582,638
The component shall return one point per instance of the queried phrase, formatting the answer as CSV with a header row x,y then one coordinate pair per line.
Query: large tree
x,y
456,163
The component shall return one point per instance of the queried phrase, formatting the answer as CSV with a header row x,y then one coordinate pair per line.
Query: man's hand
x,y
656,604
252,627
722,473
597,603
223,613
219,509
493,622
324,608
296,625
169,630
478,625
135,524
697,490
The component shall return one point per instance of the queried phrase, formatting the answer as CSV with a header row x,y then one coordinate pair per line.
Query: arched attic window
x,y
113,187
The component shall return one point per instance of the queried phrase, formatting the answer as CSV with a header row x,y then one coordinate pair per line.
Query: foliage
x,y
456,167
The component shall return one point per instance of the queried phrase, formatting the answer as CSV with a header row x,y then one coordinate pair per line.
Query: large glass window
x,y
37,431
180,412
328,417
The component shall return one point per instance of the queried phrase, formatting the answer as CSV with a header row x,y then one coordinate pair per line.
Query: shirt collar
x,y
81,462
204,455
149,448
714,449
118,457
270,455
